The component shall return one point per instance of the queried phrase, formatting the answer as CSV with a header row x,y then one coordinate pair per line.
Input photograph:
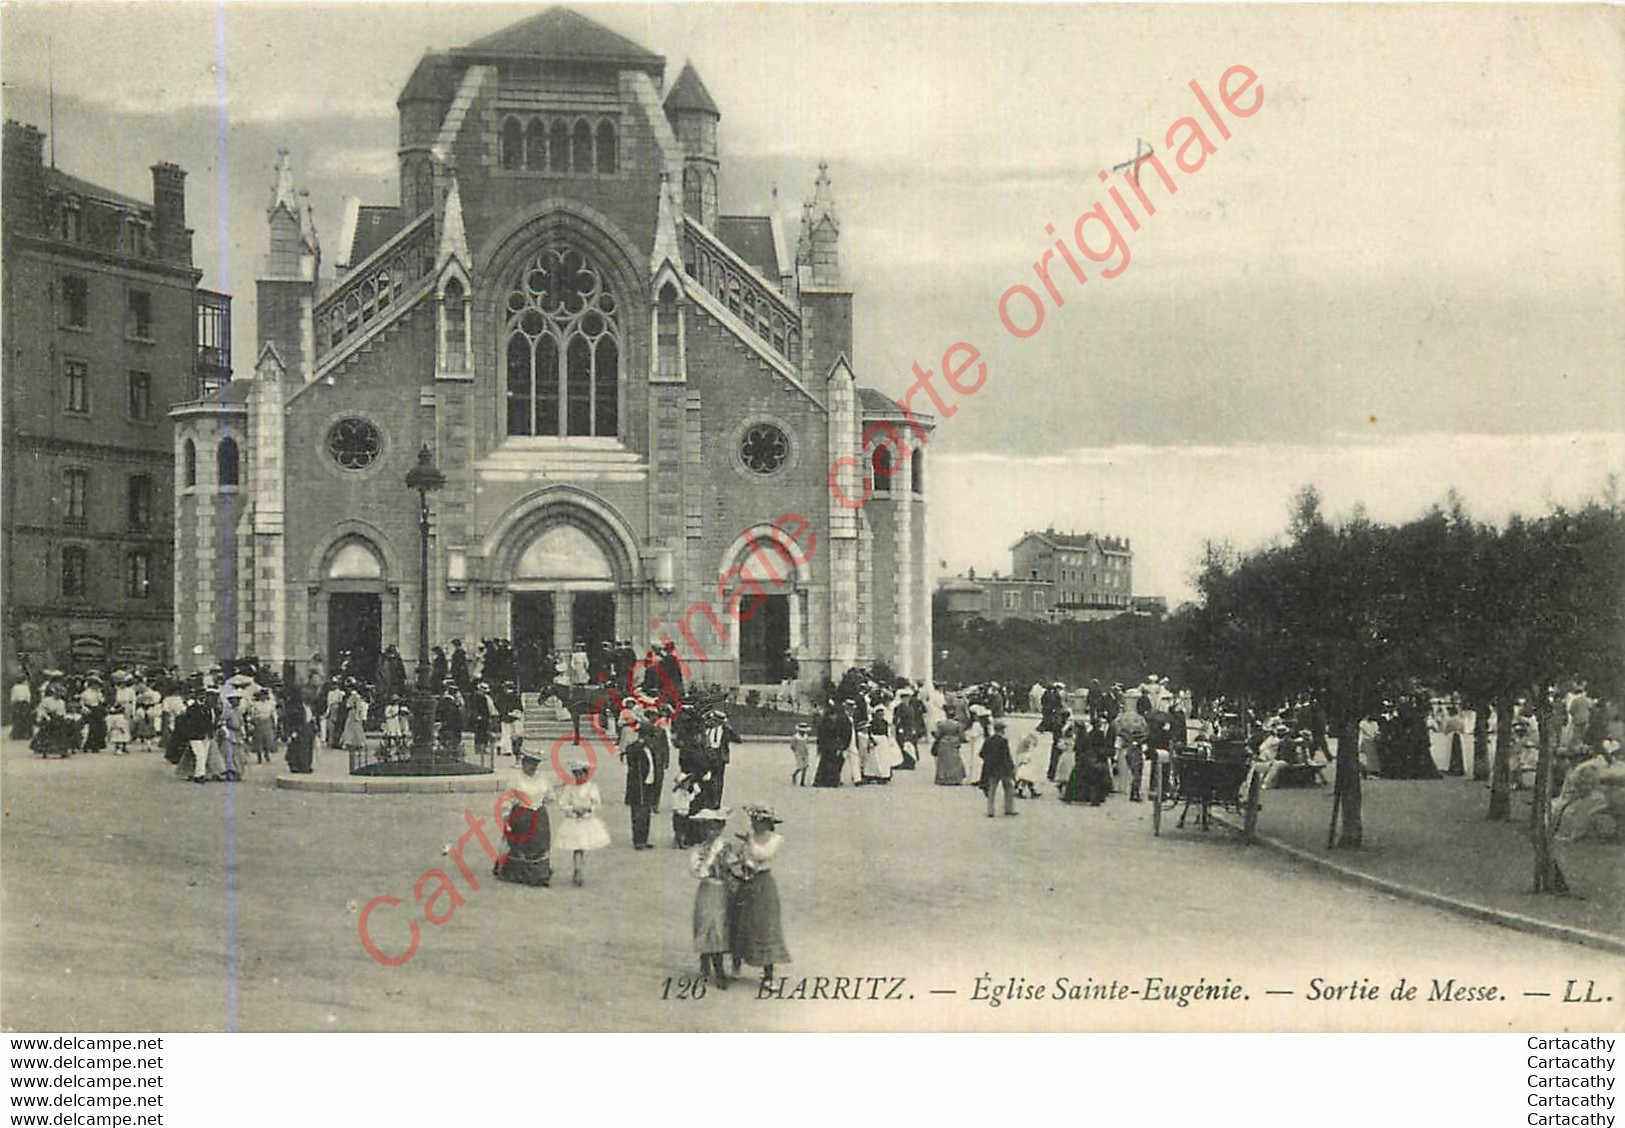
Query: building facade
x,y
1053,577
639,403
105,328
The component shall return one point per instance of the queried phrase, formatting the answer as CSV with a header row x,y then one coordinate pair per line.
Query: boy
x,y
798,749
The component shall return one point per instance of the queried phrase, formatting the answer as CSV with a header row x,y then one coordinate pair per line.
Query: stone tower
x,y
694,117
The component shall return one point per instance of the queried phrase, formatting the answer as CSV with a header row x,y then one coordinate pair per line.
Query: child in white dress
x,y
118,731
580,829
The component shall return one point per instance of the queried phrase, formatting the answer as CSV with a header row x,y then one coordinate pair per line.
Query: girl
x,y
582,829
118,731
394,730
353,737
757,934
262,726
711,861
798,749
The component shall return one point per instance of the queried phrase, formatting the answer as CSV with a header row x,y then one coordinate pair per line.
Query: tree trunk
x,y
1501,770
1548,875
1481,741
1347,786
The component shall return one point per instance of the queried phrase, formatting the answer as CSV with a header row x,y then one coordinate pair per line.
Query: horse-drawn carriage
x,y
1210,772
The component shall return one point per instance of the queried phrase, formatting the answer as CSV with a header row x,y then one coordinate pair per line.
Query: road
x,y
133,900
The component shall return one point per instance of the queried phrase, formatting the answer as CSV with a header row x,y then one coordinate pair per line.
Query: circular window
x,y
354,443
764,448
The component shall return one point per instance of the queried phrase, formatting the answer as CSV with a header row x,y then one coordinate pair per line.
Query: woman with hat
x,y
525,826
22,708
757,935
582,829
353,737
711,861
945,748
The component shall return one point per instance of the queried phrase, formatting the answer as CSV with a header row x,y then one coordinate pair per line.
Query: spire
x,y
282,193
689,93
822,205
453,235
307,222
666,248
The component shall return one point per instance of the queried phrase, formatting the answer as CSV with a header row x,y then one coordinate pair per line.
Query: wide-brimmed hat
x,y
719,814
761,812
527,753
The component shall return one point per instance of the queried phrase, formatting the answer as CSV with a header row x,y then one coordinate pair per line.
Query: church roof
x,y
751,238
375,226
563,35
58,181
689,93
433,80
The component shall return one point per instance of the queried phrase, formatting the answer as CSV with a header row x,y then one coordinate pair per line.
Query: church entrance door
x,y
592,619
355,626
764,637
532,626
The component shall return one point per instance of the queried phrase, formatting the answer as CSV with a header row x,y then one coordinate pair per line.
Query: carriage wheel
x,y
1156,799
1250,815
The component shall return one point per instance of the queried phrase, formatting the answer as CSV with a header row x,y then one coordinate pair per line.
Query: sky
x,y
1403,273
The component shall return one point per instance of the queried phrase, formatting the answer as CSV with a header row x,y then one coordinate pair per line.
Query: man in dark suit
x,y
641,786
998,768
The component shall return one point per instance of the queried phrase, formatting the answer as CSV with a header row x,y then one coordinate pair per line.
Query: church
x,y
636,402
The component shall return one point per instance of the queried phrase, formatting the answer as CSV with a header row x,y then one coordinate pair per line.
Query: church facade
x,y
636,401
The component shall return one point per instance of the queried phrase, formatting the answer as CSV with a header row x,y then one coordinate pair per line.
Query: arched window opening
x,y
916,462
880,464
692,193
558,146
536,145
189,463
666,334
456,327
228,462
423,186
513,143
563,349
608,157
581,150
708,201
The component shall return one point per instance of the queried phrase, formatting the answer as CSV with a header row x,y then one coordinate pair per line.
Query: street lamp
x,y
425,477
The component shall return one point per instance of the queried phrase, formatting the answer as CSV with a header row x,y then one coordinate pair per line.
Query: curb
x,y
1502,917
389,785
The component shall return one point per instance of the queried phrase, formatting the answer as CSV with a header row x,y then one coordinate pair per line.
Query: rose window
x,y
354,443
764,448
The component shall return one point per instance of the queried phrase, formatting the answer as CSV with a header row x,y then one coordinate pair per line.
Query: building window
x,y
189,463
581,147
228,462
140,502
764,449
75,566
76,492
138,315
608,156
693,192
138,575
1038,601
68,221
511,147
456,320
76,396
141,396
666,334
917,471
354,443
558,147
75,302
536,145
880,464
563,349
1010,598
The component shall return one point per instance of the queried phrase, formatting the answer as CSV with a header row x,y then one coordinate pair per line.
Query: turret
x,y
287,285
818,247
694,117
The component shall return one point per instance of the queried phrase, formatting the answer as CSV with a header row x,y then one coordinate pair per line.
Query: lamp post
x,y
425,478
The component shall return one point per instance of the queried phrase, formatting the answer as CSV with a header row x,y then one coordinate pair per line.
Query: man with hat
x,y
641,783
481,717
718,740
459,667
657,739
998,768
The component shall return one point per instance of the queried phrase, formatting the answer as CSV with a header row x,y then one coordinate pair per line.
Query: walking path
x,y
1432,838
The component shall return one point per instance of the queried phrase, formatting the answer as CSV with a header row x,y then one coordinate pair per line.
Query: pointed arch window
x,y
455,327
562,349
608,157
666,334
189,463
581,148
512,148
228,462
558,147
693,193
536,145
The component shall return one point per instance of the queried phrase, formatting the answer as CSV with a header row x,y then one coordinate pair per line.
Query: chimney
x,y
24,174
169,212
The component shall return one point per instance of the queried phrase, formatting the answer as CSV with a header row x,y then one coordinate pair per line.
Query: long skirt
x,y
829,770
711,917
95,731
22,721
301,747
950,768
756,932
529,839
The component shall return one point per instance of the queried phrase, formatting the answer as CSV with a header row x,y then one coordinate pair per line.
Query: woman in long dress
x,y
580,829
757,930
710,861
301,725
879,753
950,768
526,829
